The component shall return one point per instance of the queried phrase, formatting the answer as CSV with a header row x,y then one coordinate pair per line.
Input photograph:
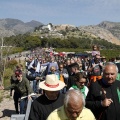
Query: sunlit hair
x,y
74,94
96,47
52,68
111,63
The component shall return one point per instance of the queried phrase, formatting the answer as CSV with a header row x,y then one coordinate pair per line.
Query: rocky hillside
x,y
109,31
113,27
101,32
10,26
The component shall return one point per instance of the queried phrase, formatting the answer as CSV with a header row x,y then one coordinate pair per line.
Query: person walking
x,y
104,95
49,100
73,108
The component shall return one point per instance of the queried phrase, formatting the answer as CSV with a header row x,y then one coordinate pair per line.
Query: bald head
x,y
110,73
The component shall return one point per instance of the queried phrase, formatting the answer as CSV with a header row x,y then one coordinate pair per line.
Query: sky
x,y
74,12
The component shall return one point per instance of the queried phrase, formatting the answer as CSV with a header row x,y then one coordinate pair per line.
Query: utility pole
x,y
1,50
1,60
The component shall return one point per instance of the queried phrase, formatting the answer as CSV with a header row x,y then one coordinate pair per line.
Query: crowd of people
x,y
71,88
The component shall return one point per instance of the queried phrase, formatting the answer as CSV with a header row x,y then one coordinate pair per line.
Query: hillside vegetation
x,y
106,30
80,43
66,36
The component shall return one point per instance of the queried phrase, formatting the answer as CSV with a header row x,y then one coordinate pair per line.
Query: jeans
x,y
33,83
35,86
23,105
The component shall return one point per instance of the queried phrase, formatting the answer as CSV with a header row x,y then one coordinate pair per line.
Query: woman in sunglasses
x,y
80,83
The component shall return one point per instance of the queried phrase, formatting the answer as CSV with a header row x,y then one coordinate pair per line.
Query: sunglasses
x,y
18,76
81,82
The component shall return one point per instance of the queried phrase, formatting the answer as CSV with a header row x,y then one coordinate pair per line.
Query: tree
x,y
63,33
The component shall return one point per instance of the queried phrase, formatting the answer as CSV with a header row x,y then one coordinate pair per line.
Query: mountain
x,y
10,26
103,33
113,27
107,30
34,23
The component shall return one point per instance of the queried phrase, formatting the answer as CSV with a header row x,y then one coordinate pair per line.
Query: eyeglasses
x,y
61,67
80,82
53,70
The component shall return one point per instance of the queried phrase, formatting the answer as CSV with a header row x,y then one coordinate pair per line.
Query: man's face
x,y
110,74
73,69
51,95
97,59
52,59
68,62
73,110
53,69
72,61
19,77
61,67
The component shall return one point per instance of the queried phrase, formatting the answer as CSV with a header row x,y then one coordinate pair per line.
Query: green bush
x,y
7,75
1,98
13,50
11,64
17,50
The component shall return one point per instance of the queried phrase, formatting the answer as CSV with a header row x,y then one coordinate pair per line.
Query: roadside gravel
x,y
7,108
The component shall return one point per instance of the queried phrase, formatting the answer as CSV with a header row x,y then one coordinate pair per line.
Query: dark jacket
x,y
23,87
68,69
99,91
71,81
42,107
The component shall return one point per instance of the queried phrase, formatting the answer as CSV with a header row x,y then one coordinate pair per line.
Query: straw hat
x,y
52,83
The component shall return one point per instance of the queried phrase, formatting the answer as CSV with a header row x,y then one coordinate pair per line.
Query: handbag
x,y
30,76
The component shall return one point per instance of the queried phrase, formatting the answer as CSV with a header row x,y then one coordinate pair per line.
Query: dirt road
x,y
7,108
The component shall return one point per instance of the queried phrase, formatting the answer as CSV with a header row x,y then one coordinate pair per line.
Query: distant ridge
x,y
15,26
106,30
113,27
33,23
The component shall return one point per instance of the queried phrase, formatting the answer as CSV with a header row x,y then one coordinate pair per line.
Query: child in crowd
x,y
95,50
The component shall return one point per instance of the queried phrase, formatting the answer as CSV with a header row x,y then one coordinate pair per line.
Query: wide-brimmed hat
x,y
52,83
